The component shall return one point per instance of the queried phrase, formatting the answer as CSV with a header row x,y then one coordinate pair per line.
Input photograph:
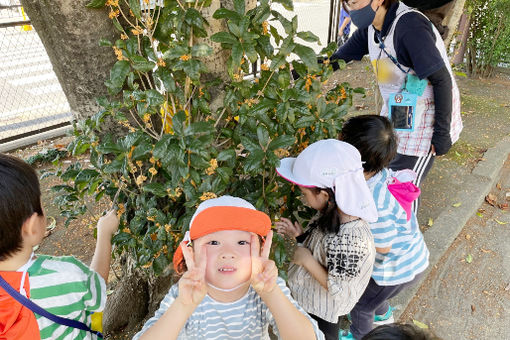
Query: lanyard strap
x,y
392,58
43,312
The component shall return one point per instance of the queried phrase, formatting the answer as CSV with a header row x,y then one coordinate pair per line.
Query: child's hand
x,y
301,255
108,224
263,270
192,285
286,227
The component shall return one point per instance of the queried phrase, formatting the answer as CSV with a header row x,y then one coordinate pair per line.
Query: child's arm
x,y
192,290
106,227
291,323
303,257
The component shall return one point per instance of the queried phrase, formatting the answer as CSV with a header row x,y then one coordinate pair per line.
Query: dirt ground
x,y
485,112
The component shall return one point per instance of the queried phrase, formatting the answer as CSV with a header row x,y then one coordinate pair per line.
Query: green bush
x,y
489,35
175,148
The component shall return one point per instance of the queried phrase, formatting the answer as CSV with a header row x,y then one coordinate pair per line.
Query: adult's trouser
x,y
419,164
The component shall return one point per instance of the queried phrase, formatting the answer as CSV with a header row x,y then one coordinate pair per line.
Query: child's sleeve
x,y
163,307
390,215
346,261
281,283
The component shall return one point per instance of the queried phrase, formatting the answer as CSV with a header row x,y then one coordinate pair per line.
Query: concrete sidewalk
x,y
450,222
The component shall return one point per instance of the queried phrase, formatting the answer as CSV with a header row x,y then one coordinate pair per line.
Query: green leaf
x,y
308,36
194,18
420,324
201,50
430,223
118,75
157,189
141,64
226,155
250,145
175,52
479,214
168,81
105,42
234,29
308,56
237,53
96,4
456,205
223,13
134,5
239,6
263,13
263,136
469,258
225,174
282,141
500,222
253,163
154,98
224,38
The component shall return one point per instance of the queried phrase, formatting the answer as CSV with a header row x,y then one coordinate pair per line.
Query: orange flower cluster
x,y
113,14
207,196
213,166
265,30
118,53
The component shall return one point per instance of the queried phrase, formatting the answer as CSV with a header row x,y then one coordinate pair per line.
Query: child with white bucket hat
x,y
335,255
229,288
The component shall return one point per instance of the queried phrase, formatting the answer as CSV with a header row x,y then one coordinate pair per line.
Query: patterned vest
x,y
391,79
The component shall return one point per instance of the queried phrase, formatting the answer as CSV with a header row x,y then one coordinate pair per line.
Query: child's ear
x,y
32,231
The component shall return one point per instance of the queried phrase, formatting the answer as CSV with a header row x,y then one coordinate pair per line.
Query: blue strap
x,y
43,312
392,58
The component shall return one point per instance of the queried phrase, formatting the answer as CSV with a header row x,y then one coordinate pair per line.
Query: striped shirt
x,y
409,255
245,319
348,257
68,288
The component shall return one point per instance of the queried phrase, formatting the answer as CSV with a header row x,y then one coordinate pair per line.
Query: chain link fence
x,y
31,98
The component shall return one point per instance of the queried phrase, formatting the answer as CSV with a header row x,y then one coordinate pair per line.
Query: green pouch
x,y
415,85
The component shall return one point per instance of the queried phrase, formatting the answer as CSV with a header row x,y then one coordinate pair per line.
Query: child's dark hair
x,y
329,217
20,198
374,138
399,331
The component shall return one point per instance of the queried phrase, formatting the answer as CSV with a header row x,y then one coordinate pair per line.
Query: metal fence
x,y
31,98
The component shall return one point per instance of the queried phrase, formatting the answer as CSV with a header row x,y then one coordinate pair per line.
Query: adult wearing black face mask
x,y
419,91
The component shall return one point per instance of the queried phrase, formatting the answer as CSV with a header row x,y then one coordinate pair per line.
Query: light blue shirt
x,y
409,255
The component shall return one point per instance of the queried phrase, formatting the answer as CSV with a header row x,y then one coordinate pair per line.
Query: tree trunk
x,y
70,33
460,51
452,20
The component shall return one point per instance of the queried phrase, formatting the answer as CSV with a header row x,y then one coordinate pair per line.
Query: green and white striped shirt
x,y
68,288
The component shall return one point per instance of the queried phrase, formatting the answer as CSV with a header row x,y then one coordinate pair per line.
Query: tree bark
x,y
70,33
458,55
452,20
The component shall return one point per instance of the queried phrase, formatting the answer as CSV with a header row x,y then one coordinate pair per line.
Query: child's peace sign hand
x,y
263,270
192,285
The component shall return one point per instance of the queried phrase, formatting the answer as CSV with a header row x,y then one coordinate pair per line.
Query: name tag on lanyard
x,y
402,110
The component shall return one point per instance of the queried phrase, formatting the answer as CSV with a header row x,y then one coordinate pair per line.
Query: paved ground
x,y
467,293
